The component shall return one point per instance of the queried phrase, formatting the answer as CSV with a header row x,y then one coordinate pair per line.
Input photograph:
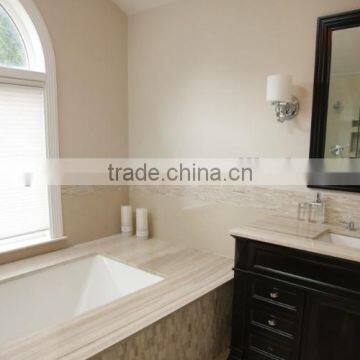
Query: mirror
x,y
335,132
343,116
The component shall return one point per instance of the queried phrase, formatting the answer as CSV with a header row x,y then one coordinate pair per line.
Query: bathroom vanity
x,y
297,296
292,303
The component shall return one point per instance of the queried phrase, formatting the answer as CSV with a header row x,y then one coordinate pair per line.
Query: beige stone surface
x,y
223,356
299,239
92,213
198,331
288,226
201,216
189,274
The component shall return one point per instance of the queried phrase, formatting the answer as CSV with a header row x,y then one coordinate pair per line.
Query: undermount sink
x,y
341,240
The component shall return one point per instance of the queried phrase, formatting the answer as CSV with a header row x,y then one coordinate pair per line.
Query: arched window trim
x,y
28,32
32,27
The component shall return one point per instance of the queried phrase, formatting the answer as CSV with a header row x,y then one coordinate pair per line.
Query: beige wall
x,y
197,79
197,76
90,43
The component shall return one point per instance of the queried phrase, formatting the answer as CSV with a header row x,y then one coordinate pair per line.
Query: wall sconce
x,y
280,95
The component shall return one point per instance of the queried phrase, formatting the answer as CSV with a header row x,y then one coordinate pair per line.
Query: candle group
x,y
142,222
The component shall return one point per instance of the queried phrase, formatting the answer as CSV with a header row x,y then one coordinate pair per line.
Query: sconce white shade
x,y
279,88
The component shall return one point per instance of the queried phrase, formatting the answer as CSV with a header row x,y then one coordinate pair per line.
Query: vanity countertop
x,y
298,235
189,274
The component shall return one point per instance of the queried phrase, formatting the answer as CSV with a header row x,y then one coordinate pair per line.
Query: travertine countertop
x,y
188,273
298,235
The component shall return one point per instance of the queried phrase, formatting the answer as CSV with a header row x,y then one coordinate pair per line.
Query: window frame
x,y
42,74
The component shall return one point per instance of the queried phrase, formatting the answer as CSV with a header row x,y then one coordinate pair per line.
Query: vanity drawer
x,y
276,294
274,321
303,267
269,347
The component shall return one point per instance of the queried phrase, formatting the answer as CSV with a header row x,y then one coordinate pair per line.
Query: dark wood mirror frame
x,y
326,26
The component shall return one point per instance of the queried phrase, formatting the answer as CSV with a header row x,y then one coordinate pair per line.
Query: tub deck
x,y
189,274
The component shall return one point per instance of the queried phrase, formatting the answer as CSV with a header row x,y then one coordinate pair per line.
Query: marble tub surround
x,y
189,274
198,331
92,212
31,250
300,235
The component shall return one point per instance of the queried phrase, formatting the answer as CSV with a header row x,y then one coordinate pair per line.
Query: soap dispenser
x,y
317,210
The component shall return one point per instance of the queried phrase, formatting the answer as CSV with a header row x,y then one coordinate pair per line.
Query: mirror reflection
x,y
343,119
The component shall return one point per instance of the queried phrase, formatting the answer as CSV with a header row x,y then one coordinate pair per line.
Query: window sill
x,y
13,250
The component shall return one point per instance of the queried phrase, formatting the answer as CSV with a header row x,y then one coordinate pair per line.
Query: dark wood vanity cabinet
x,y
333,328
294,305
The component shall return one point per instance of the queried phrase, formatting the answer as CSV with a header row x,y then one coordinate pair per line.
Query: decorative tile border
x,y
89,189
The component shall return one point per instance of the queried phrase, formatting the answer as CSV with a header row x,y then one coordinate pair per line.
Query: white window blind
x,y
23,210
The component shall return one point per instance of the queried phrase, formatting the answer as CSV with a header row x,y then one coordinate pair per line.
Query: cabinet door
x,y
332,330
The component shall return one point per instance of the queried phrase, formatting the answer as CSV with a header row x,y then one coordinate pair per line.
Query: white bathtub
x,y
53,295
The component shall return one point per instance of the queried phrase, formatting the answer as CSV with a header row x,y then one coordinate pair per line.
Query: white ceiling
x,y
131,7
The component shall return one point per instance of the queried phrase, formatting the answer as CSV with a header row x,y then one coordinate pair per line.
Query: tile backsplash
x,y
201,216
277,200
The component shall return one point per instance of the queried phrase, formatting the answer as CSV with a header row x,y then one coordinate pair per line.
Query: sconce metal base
x,y
286,111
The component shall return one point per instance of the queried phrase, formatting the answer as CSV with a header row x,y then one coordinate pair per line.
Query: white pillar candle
x,y
142,224
126,220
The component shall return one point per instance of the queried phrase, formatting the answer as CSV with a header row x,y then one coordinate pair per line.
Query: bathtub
x,y
56,294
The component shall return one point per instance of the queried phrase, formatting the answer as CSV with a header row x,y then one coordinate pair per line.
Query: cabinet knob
x,y
274,295
272,322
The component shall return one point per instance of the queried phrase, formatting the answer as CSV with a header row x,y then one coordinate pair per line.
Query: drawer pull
x,y
274,295
272,322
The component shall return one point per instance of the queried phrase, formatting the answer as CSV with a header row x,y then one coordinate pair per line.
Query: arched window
x,y
30,212
13,51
